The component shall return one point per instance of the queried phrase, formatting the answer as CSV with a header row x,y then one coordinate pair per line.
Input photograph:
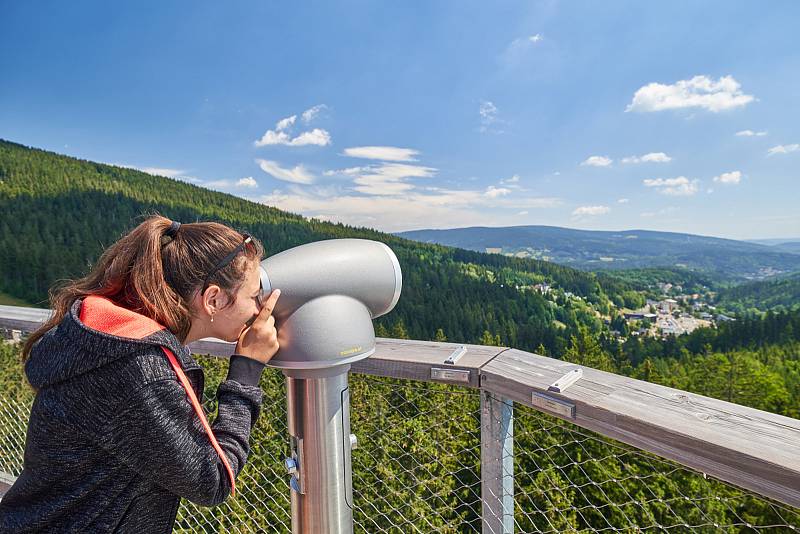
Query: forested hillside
x,y
58,213
783,293
647,279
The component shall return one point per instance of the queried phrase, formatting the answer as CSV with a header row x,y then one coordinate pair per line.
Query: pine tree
x,y
381,331
585,350
399,330
488,339
648,372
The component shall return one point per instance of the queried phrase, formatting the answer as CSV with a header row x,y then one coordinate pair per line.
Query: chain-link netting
x,y
567,478
13,425
417,465
417,468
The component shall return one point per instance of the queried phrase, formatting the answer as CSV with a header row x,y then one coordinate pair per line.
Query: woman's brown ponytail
x,y
151,273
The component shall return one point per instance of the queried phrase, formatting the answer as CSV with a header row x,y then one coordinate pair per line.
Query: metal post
x,y
320,467
497,464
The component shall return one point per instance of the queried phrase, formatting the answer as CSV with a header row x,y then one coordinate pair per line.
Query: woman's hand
x,y
260,340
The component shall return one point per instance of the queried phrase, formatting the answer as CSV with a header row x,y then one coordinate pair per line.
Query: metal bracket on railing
x,y
566,381
456,355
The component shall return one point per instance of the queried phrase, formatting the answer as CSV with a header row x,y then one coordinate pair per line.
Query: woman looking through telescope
x,y
116,435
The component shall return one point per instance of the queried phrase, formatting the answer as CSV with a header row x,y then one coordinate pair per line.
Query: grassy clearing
x,y
8,300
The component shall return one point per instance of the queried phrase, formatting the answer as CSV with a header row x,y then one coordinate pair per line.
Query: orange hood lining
x,y
102,314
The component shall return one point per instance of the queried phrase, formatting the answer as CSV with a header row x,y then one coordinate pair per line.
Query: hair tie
x,y
173,229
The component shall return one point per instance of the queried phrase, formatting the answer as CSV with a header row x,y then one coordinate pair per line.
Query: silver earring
x,y
212,318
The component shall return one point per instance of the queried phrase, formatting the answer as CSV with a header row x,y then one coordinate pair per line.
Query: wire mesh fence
x,y
417,466
570,479
417,469
13,419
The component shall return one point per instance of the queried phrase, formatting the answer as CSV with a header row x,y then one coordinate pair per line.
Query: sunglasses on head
x,y
226,260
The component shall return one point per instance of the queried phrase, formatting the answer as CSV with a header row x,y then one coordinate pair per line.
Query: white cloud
x,y
698,92
412,210
271,137
218,184
389,178
298,174
374,185
386,153
283,124
395,195
384,178
513,180
335,172
597,161
175,174
247,182
680,186
317,136
652,157
281,136
663,211
656,157
397,171
783,149
750,133
159,171
348,172
517,49
733,177
590,210
523,212
623,201
494,192
311,113
488,112
400,170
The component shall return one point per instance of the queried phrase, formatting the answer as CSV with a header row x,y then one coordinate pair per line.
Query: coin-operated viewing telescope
x,y
330,292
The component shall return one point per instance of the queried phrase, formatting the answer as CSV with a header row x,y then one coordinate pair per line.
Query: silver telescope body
x,y
330,292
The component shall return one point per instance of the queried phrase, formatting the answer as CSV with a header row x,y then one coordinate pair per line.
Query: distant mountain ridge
x,y
596,250
784,245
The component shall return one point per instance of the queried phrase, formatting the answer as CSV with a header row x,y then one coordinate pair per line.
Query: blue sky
x,y
677,116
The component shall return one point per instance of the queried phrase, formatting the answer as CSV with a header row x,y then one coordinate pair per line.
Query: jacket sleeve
x,y
158,434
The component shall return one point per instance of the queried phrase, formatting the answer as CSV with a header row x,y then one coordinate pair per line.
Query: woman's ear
x,y
213,300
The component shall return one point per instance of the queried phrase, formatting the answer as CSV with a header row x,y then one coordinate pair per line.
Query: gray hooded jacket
x,y
113,442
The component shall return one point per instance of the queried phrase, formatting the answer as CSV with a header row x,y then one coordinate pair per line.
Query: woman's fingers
x,y
269,305
260,339
265,322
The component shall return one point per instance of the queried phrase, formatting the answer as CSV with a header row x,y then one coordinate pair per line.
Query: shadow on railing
x,y
480,456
